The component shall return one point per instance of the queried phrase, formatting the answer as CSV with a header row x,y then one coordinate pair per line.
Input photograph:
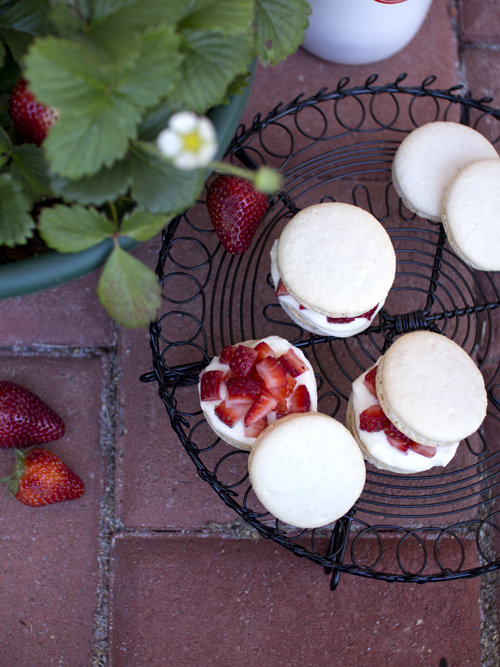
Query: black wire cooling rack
x,y
338,146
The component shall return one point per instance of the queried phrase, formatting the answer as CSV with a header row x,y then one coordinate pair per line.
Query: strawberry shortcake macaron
x,y
332,268
253,384
409,412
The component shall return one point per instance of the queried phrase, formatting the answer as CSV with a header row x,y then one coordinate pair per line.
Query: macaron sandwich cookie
x,y
471,214
409,412
427,160
307,470
332,268
252,384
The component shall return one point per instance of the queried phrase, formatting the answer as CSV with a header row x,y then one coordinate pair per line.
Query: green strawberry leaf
x,y
128,290
156,70
5,142
21,22
211,61
278,34
107,185
137,14
73,228
142,225
224,16
161,188
30,168
16,223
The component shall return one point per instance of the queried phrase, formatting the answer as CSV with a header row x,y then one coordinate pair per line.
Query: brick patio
x,y
149,568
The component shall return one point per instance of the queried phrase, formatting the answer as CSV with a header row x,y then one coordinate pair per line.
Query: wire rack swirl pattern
x,y
338,146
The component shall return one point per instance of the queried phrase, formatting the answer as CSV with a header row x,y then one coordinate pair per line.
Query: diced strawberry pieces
x,y
393,432
273,373
265,350
292,363
300,400
281,290
260,408
281,410
373,419
230,415
227,354
287,390
255,429
242,391
243,360
210,385
399,443
425,450
370,383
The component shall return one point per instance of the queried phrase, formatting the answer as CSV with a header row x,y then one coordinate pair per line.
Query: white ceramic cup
x,y
357,32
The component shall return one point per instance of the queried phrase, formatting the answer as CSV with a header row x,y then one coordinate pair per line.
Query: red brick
x,y
49,554
479,20
66,315
212,601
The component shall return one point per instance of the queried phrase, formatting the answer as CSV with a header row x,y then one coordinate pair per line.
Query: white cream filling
x,y
379,446
318,320
237,432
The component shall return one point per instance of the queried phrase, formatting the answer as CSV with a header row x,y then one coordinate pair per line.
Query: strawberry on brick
x,y
230,415
243,360
210,389
260,408
292,363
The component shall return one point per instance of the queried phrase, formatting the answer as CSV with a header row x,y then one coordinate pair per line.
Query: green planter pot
x,y
44,271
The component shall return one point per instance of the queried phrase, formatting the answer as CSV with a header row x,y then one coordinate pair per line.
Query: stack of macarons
x,y
332,268
448,172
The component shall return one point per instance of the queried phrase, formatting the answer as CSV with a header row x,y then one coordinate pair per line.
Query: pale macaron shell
x,y
336,259
427,160
471,214
307,470
430,389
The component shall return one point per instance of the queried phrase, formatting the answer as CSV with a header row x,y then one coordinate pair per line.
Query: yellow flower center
x,y
191,141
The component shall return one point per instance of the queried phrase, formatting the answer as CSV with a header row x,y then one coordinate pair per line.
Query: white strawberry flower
x,y
190,141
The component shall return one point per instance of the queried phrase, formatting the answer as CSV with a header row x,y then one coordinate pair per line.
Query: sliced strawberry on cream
x,y
292,363
230,414
256,389
272,373
382,440
227,354
211,386
262,406
243,360
300,400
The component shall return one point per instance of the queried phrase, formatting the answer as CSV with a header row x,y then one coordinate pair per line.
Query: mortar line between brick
x,y
55,351
100,639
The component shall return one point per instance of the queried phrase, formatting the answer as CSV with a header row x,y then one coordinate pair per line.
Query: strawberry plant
x,y
109,75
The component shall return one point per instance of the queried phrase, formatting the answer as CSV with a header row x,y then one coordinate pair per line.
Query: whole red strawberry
x,y
235,209
31,119
25,419
42,478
